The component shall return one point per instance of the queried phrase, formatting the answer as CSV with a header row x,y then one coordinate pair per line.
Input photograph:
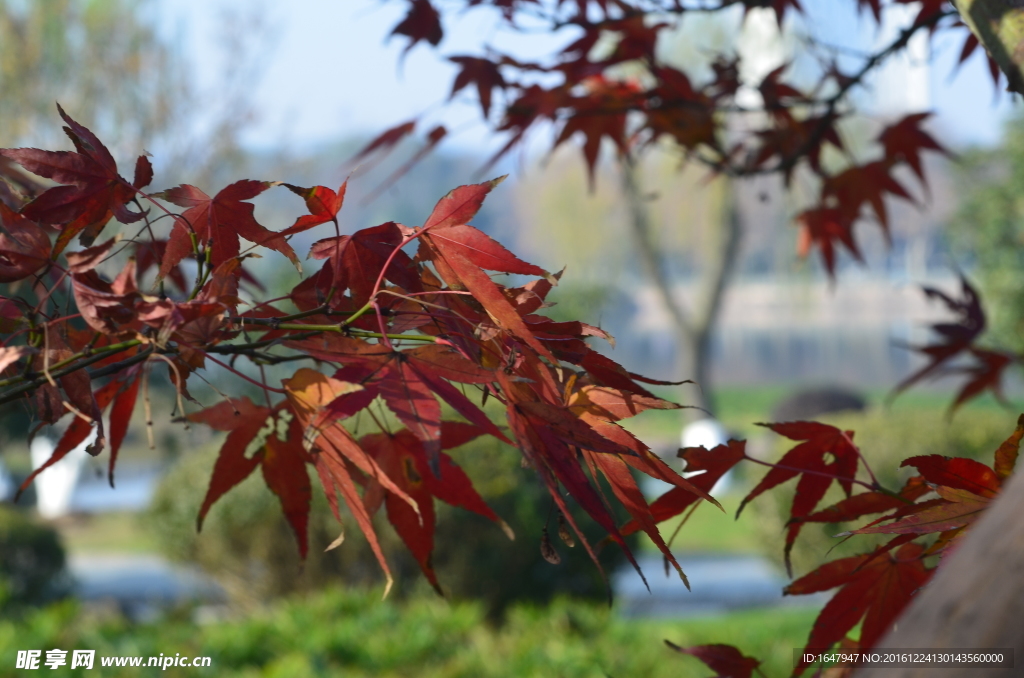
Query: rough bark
x,y
999,25
975,600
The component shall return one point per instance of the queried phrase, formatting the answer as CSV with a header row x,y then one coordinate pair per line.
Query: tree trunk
x,y
694,328
975,600
999,25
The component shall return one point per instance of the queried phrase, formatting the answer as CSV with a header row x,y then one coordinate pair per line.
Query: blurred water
x,y
141,586
719,582
133,490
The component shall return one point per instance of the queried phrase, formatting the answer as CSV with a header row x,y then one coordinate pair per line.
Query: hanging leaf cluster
x,y
403,320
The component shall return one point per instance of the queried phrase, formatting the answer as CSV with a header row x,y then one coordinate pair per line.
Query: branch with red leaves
x,y
403,318
927,517
785,128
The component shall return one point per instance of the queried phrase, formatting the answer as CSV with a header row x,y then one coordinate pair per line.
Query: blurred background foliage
x,y
32,562
987,231
108,64
247,545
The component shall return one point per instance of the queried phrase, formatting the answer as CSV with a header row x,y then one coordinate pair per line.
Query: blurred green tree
x,y
109,62
989,228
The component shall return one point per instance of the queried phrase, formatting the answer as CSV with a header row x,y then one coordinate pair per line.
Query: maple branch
x,y
276,322
341,328
229,349
202,272
86,360
832,103
365,307
358,333
114,368
99,355
410,297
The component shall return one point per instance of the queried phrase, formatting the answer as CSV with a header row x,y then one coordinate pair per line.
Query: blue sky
x,y
330,74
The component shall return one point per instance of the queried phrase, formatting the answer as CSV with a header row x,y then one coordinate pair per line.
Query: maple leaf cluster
x,y
956,350
927,519
397,318
410,320
609,87
582,91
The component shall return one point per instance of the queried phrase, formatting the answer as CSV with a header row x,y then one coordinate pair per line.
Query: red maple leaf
x,y
905,140
875,587
959,508
149,254
107,307
409,383
460,252
725,660
599,114
24,246
483,73
93,191
404,460
1006,454
675,109
357,260
808,461
269,438
387,139
421,23
791,138
985,374
218,222
864,184
956,472
323,205
826,227
953,337
867,503
78,431
337,455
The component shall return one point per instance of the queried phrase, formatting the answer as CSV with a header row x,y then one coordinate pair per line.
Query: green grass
x,y
709,529
337,633
121,532
740,408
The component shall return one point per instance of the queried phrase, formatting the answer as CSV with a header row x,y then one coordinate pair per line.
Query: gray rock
x,y
811,403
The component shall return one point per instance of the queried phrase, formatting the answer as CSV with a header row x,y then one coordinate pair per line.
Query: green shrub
x,y
355,634
885,438
31,561
246,543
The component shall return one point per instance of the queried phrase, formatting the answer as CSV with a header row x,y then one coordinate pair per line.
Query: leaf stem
x,y
871,486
